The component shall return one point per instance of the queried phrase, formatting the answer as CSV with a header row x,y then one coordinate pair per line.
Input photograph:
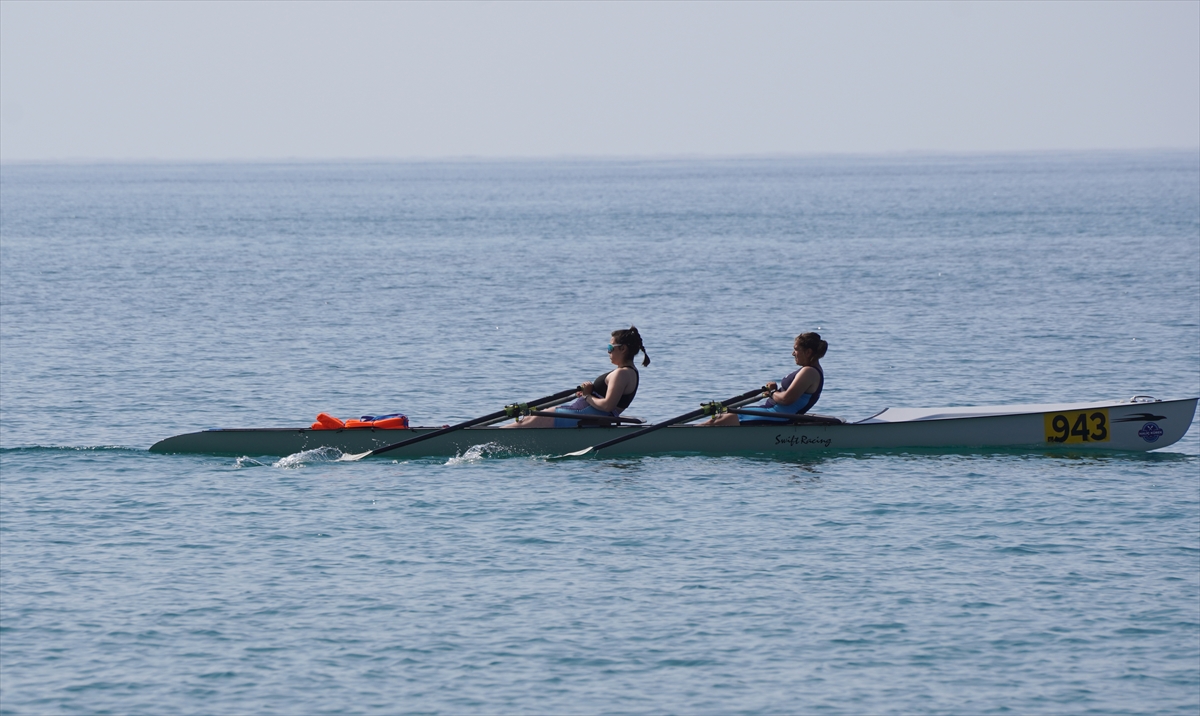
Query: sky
x,y
215,81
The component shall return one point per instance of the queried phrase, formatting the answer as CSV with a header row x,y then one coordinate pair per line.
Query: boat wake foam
x,y
70,448
306,457
244,461
297,459
475,454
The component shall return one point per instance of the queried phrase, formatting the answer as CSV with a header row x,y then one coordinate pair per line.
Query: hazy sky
x,y
226,80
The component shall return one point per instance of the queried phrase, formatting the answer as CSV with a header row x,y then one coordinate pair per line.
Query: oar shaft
x,y
528,409
601,418
746,397
730,407
490,417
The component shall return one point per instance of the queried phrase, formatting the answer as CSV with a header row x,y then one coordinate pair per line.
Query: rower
x,y
796,393
606,396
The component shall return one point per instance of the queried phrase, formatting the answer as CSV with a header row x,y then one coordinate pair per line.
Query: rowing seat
x,y
601,421
814,419
805,419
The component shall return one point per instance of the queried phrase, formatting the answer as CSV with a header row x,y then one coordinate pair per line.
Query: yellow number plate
x,y
1077,426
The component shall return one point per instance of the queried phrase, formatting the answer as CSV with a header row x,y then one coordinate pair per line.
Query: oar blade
x,y
578,453
355,457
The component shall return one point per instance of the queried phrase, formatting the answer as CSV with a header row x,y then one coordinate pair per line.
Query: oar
x,y
707,409
599,418
510,411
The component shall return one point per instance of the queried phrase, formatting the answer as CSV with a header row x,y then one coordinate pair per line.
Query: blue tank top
x,y
802,406
600,388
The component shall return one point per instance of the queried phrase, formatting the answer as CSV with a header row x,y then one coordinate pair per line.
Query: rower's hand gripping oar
x,y
705,409
510,411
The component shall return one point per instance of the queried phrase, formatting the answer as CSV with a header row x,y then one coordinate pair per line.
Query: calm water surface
x,y
138,302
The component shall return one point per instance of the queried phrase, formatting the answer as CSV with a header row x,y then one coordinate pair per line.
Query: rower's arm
x,y
618,381
806,379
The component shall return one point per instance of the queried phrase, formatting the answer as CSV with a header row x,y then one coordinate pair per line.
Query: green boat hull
x,y
1113,426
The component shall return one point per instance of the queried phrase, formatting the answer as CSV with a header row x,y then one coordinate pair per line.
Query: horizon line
x,y
676,157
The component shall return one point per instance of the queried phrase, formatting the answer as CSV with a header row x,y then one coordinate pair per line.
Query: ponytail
x,y
632,340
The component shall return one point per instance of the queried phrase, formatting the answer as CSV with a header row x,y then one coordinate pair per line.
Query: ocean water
x,y
142,301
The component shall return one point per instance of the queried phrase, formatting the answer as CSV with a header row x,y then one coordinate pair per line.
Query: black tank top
x,y
600,388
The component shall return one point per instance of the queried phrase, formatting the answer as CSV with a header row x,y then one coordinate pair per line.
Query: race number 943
x,y
1082,426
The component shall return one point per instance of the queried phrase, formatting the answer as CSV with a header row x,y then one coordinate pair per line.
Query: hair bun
x,y
814,343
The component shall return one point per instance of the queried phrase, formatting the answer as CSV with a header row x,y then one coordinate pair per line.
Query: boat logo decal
x,y
1139,417
1076,426
1150,432
795,440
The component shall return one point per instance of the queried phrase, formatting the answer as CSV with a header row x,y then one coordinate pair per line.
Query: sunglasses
x,y
614,345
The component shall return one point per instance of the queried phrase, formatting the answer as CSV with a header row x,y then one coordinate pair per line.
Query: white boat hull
x,y
1112,426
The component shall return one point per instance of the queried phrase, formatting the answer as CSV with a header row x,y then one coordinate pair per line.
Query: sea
x,y
140,301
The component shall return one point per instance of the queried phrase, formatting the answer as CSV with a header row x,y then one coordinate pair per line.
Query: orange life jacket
x,y
326,421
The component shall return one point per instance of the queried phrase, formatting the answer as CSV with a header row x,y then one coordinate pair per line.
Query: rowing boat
x,y
1139,424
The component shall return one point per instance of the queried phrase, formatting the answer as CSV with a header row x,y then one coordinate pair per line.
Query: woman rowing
x,y
606,396
796,393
